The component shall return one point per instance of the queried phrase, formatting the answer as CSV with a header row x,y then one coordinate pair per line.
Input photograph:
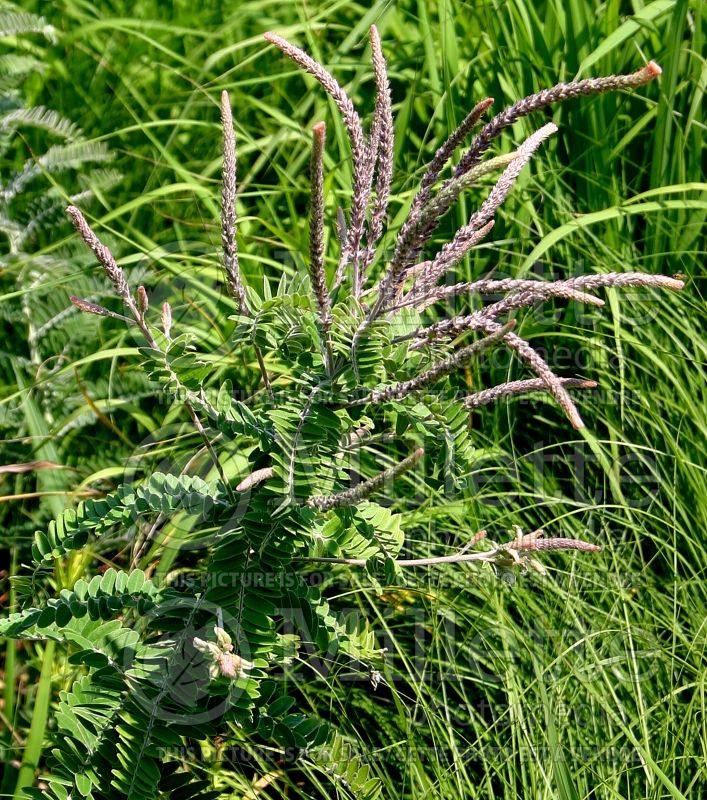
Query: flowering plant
x,y
346,355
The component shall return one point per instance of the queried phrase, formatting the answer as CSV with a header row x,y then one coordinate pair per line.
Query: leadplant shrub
x,y
351,363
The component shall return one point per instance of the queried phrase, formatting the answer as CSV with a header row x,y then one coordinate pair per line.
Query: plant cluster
x,y
349,358
45,158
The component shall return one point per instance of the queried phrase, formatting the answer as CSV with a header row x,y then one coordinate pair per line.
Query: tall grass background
x,y
589,682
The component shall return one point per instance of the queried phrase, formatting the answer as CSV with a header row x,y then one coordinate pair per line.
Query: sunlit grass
x,y
590,682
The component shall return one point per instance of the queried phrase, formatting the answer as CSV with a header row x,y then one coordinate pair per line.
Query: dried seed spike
x,y
445,261
410,231
342,235
317,272
341,228
505,183
453,326
93,308
437,371
438,206
102,253
234,282
478,321
427,295
622,279
553,383
88,307
167,319
352,496
533,563
512,388
231,266
546,97
255,479
142,301
544,291
390,283
382,138
558,543
359,149
445,152
526,541
428,217
475,539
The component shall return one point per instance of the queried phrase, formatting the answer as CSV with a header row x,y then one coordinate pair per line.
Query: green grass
x,y
588,683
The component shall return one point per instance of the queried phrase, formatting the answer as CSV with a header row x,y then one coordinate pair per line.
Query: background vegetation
x,y
587,683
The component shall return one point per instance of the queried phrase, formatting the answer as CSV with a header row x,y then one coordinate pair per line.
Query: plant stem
x,y
35,739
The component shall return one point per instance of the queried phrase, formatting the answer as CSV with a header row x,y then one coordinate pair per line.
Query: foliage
x,y
45,158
